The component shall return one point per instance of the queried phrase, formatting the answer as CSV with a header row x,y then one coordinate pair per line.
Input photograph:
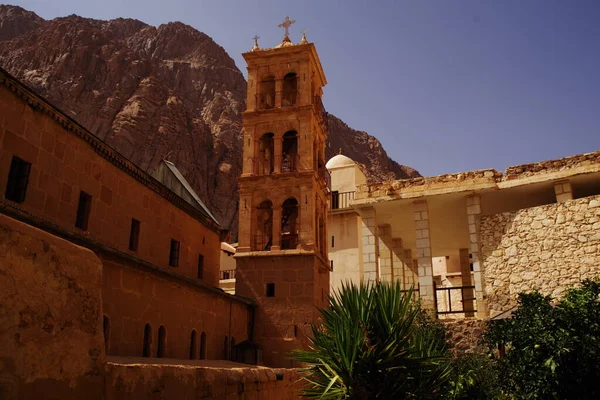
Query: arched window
x,y
290,89
147,346
162,339
106,331
289,227
226,348
289,150
266,158
266,94
203,346
193,344
264,226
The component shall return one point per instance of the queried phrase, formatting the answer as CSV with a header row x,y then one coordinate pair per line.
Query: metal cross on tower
x,y
287,22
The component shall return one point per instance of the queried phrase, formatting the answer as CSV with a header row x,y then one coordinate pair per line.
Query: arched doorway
x,y
266,96
266,157
289,226
264,226
289,150
290,89
147,345
193,344
203,346
162,341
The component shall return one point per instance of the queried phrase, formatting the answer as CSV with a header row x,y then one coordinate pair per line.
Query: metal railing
x,y
455,300
341,200
227,274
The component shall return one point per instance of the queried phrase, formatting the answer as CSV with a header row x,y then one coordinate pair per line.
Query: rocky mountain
x,y
156,92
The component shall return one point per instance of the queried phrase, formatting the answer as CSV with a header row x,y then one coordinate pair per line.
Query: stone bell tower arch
x,y
282,258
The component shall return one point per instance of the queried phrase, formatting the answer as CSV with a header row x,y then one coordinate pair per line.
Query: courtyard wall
x,y
550,248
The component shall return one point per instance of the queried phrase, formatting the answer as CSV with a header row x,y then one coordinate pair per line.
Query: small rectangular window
x,y
332,242
270,290
18,178
200,266
134,234
335,200
331,265
174,253
83,210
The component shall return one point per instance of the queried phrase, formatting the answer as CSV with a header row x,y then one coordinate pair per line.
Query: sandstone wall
x,y
464,336
134,296
550,248
138,381
65,159
51,343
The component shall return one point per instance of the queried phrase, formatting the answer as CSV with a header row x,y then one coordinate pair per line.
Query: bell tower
x,y
282,259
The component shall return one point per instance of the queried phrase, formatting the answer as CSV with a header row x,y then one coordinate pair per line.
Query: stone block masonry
x,y
550,248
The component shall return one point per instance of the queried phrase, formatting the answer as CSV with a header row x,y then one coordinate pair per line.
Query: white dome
x,y
340,161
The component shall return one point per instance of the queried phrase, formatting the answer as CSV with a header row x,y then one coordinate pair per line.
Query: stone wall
x,y
464,335
549,248
218,380
51,343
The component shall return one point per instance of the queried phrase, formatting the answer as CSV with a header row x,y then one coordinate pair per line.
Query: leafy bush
x,y
375,342
552,351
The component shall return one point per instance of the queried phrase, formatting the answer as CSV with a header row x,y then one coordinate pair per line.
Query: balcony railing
x,y
265,101
227,274
341,200
455,300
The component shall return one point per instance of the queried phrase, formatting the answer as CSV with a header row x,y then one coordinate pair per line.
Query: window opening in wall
x,y
290,89
335,200
200,266
147,345
289,230
203,346
266,96
331,265
266,156
174,253
289,148
134,234
225,348
264,226
295,330
83,210
332,242
18,178
232,349
162,340
193,344
106,331
270,290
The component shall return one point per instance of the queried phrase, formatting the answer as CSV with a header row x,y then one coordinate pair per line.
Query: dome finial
x,y
255,47
340,151
304,41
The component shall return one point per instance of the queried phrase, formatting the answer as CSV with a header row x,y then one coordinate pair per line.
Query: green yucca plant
x,y
374,343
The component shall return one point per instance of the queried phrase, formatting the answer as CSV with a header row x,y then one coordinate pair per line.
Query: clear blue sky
x,y
446,86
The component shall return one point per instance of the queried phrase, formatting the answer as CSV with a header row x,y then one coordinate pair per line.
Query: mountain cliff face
x,y
156,92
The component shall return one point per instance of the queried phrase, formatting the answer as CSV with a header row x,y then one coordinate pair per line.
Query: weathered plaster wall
x,y
51,343
188,381
550,248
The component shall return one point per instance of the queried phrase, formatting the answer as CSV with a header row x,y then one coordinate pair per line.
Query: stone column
x,y
423,245
397,263
276,245
473,212
465,274
277,150
409,271
278,92
563,191
369,245
385,253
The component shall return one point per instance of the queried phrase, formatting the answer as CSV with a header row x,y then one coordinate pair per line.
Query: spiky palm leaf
x,y
371,345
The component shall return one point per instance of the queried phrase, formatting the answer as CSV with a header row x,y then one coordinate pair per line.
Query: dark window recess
x,y
335,200
174,253
18,178
200,266
471,266
270,290
331,265
83,210
332,242
134,234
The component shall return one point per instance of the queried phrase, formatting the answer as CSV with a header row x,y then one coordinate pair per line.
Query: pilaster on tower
x,y
282,258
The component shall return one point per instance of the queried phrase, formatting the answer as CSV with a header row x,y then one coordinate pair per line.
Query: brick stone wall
x,y
51,343
550,248
188,381
134,296
67,161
